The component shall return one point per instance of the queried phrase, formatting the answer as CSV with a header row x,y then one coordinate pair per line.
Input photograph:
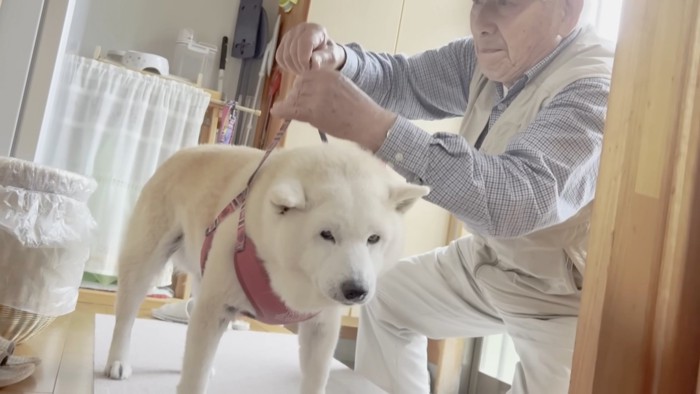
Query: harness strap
x,y
239,201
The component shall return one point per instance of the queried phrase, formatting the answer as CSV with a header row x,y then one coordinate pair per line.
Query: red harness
x,y
251,273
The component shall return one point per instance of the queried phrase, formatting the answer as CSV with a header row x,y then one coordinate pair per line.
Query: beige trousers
x,y
460,291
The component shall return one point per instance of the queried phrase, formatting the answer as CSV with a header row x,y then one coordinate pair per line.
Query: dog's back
x,y
198,176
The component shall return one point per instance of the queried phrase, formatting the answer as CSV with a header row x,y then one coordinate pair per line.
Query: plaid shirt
x,y
548,171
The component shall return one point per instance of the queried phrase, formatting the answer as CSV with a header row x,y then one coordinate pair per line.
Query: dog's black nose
x,y
353,291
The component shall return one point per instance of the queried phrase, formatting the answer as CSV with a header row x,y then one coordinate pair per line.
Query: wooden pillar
x,y
639,328
263,134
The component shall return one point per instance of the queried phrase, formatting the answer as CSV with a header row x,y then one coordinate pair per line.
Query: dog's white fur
x,y
297,194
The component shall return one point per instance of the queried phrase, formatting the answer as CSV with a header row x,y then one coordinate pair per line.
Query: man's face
x,y
511,36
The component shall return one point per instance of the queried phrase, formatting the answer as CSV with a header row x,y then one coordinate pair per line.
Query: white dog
x,y
325,221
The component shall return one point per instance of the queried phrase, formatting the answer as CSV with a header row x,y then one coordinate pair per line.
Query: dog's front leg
x,y
205,328
318,338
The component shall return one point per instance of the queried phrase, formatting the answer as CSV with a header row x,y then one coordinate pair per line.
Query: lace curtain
x,y
117,125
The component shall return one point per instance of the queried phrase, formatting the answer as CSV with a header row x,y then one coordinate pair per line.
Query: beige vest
x,y
546,258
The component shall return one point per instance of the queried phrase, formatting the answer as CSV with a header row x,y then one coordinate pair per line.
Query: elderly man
x,y
532,86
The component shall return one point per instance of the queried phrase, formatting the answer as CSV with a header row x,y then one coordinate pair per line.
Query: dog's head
x,y
333,219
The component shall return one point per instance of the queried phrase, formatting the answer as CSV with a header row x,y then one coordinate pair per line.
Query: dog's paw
x,y
118,370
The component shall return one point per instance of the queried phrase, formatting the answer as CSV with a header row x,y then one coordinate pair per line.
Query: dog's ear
x,y
287,194
403,196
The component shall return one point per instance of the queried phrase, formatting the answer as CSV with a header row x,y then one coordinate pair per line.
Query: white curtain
x,y
117,125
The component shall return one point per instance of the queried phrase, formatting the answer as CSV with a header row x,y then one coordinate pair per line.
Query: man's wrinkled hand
x,y
307,46
332,103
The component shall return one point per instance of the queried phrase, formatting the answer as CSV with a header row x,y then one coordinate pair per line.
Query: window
x,y
605,16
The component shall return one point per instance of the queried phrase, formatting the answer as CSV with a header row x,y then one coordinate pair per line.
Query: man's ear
x,y
403,196
287,194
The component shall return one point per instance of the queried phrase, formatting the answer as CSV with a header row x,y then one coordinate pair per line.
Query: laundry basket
x,y
45,225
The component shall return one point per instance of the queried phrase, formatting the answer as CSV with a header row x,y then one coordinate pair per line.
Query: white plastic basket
x,y
45,227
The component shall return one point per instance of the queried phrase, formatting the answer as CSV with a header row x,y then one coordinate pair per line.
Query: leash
x,y
240,200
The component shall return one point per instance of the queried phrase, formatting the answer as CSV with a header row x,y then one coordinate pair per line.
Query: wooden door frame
x,y
264,135
639,326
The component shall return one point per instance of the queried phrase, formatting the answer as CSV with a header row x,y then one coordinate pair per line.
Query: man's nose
x,y
484,18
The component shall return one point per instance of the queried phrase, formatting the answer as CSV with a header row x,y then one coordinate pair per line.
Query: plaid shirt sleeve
x,y
431,85
547,173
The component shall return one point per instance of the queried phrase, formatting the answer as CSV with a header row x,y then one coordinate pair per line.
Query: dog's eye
x,y
373,239
327,235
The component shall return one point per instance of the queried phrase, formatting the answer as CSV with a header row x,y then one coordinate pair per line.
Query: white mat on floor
x,y
246,362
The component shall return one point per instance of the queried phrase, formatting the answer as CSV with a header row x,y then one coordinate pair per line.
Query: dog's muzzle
x,y
353,292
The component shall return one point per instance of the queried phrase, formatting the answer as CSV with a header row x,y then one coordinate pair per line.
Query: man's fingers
x,y
301,53
298,104
289,109
284,55
296,49
281,109
316,41
287,52
321,58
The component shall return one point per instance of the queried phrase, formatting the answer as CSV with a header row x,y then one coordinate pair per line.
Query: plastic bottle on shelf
x,y
195,61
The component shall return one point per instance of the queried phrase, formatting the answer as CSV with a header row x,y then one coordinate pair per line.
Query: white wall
x,y
405,26
427,25
152,26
